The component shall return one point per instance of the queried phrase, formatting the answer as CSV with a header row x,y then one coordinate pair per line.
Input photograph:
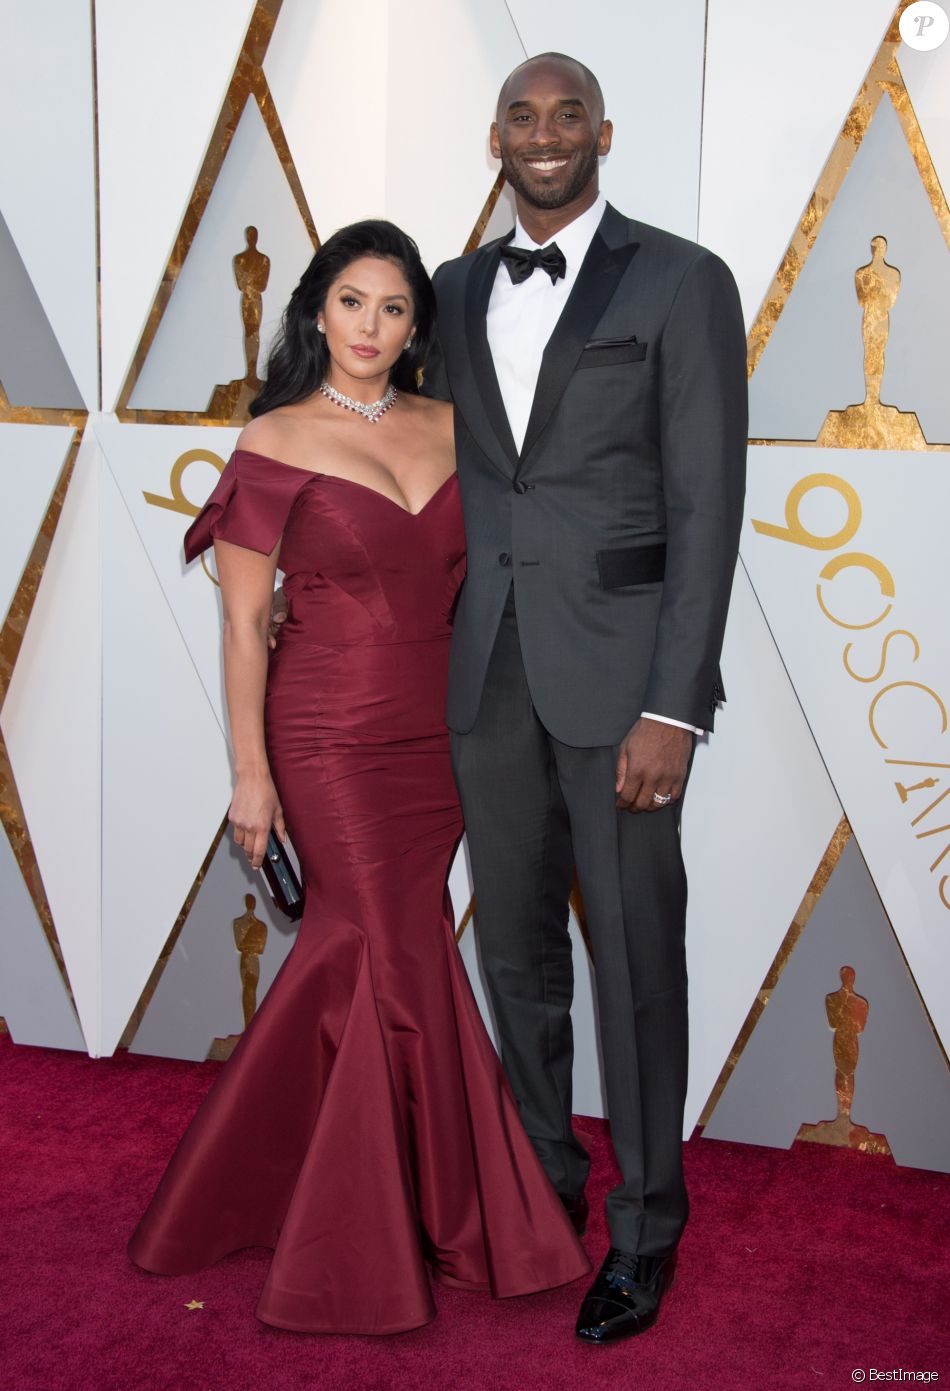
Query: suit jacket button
x,y
504,558
520,487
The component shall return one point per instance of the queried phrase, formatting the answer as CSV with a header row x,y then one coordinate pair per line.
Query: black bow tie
x,y
522,263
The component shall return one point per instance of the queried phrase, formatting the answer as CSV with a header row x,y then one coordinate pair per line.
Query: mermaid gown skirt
x,y
363,1128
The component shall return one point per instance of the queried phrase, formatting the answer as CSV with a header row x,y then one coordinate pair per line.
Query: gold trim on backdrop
x,y
484,217
11,640
151,985
467,917
815,444
884,76
248,82
799,922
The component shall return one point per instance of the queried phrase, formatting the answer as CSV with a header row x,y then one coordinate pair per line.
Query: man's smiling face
x,y
549,132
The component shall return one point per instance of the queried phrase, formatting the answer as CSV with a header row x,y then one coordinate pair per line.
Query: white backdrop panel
x,y
47,169
142,458
165,769
778,88
416,135
899,573
51,726
163,71
439,169
750,851
30,463
326,66
649,60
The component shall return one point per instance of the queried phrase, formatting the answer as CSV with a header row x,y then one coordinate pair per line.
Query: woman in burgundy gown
x,y
363,1128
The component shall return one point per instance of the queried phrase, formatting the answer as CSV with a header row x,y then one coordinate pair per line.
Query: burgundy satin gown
x,y
363,1127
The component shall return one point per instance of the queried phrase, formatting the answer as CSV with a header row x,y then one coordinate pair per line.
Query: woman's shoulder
x,y
435,415
267,435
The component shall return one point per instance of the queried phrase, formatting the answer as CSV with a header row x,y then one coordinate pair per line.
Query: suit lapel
x,y
597,280
488,422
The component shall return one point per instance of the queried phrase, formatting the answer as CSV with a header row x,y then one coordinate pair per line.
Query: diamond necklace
x,y
371,412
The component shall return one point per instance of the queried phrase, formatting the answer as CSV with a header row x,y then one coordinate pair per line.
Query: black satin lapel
x,y
593,290
488,420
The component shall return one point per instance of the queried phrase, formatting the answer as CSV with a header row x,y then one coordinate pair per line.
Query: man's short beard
x,y
550,197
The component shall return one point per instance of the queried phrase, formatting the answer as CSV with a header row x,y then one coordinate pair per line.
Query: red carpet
x,y
797,1267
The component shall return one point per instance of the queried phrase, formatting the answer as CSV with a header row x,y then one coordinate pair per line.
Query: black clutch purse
x,y
285,888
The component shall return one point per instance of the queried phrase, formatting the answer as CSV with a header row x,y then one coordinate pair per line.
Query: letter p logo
x,y
924,25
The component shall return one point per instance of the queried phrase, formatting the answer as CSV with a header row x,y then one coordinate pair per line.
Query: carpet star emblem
x,y
196,1304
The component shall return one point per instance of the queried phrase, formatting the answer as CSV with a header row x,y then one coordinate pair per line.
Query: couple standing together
x,y
596,366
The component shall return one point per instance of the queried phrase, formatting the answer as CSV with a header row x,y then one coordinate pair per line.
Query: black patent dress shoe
x,y
625,1298
576,1209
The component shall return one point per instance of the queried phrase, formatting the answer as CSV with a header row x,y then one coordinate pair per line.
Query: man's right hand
x,y
278,615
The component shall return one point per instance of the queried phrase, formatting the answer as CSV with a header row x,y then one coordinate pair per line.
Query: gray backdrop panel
x,y
33,370
786,1074
198,998
33,999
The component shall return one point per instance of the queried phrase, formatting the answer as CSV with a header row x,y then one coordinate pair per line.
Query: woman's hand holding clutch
x,y
255,808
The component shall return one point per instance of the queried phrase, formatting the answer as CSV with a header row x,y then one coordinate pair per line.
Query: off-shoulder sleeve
x,y
250,505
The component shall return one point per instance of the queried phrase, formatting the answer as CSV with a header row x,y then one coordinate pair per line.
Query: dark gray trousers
x,y
533,807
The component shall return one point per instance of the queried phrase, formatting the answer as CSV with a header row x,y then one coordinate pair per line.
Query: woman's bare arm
x,y
247,586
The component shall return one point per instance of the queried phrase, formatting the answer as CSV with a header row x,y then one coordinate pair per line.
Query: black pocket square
x,y
608,352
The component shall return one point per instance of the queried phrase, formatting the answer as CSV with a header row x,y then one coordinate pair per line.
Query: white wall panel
x,y
439,169
165,768
163,71
30,463
648,58
408,140
779,84
326,68
142,459
899,688
757,820
47,169
51,725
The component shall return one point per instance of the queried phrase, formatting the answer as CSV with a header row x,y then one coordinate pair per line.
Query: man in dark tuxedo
x,y
598,369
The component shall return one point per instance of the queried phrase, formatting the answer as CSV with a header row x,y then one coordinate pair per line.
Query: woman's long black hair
x,y
299,360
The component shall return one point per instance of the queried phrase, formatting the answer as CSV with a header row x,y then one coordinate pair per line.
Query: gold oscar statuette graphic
x,y
251,274
250,939
872,425
847,1014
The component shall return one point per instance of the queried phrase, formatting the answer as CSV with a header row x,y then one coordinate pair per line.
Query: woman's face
x,y
368,320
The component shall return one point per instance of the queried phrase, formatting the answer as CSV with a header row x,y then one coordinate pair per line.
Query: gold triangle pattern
x,y
883,77
248,83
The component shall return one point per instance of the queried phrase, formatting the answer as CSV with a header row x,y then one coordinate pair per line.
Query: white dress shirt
x,y
521,319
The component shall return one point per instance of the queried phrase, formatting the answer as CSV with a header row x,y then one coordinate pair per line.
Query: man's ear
x,y
605,137
494,141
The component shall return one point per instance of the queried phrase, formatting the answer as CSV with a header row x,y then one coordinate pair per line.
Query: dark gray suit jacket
x,y
619,521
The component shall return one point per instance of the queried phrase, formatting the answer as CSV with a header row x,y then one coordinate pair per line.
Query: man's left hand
x,y
653,758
